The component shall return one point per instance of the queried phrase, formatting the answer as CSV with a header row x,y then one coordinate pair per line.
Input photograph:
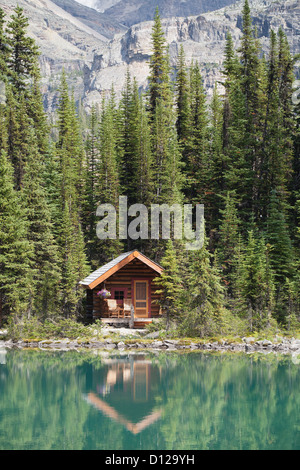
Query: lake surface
x,y
165,401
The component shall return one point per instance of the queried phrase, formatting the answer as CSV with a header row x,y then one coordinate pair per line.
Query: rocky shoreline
x,y
152,342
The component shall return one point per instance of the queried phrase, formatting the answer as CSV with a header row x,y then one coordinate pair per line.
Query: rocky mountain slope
x,y
64,42
102,23
99,5
130,12
72,40
203,38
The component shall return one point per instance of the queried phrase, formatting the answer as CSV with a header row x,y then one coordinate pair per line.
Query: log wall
x,y
136,269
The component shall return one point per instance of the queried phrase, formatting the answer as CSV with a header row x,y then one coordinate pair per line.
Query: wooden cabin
x,y
128,279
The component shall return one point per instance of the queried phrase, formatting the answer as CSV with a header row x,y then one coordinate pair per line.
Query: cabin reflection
x,y
126,390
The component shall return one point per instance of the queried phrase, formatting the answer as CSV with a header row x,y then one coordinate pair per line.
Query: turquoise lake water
x,y
165,401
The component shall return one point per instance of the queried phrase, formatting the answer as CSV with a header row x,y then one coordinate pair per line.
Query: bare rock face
x,y
203,38
130,12
99,5
68,38
96,20
64,42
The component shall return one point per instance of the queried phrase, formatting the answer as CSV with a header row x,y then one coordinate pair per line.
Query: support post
x,y
131,322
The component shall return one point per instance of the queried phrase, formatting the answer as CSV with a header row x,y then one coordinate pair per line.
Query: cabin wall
x,y
123,278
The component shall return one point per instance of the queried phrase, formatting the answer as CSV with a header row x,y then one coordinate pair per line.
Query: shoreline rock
x,y
247,345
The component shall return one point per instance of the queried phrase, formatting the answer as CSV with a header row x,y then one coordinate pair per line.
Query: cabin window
x,y
119,295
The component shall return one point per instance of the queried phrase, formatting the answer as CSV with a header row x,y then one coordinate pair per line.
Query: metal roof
x,y
106,267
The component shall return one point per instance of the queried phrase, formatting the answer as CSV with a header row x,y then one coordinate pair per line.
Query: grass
x,y
35,330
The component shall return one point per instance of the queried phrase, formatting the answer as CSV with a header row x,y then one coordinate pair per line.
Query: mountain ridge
x,y
203,38
94,62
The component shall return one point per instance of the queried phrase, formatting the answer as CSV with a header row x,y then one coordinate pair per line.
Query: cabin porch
x,y
117,312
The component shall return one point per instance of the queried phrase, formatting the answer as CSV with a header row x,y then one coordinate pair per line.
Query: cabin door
x,y
141,299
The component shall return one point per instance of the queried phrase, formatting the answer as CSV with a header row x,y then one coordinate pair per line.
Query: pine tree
x,y
137,156
108,186
159,80
128,163
204,310
278,129
255,284
230,68
243,121
4,50
17,287
140,124
228,238
36,112
92,178
183,122
199,168
107,189
40,235
70,235
277,234
23,55
167,176
218,159
19,139
3,79
170,284
250,85
3,126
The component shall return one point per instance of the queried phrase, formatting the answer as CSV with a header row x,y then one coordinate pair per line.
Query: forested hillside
x,y
238,155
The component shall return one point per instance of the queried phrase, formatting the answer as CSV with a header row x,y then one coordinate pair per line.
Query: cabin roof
x,y
107,270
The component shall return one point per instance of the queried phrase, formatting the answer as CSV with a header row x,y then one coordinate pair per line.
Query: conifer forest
x,y
238,154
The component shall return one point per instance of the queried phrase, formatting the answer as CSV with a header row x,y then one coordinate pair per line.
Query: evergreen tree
x,y
255,284
108,186
170,284
278,237
137,156
92,178
204,296
159,80
17,287
250,86
141,139
217,157
228,238
3,125
70,235
52,183
199,162
36,112
40,235
107,189
230,71
167,176
278,130
243,121
4,50
23,54
183,122
19,137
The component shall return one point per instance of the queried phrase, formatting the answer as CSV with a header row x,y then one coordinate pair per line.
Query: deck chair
x,y
113,308
127,307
